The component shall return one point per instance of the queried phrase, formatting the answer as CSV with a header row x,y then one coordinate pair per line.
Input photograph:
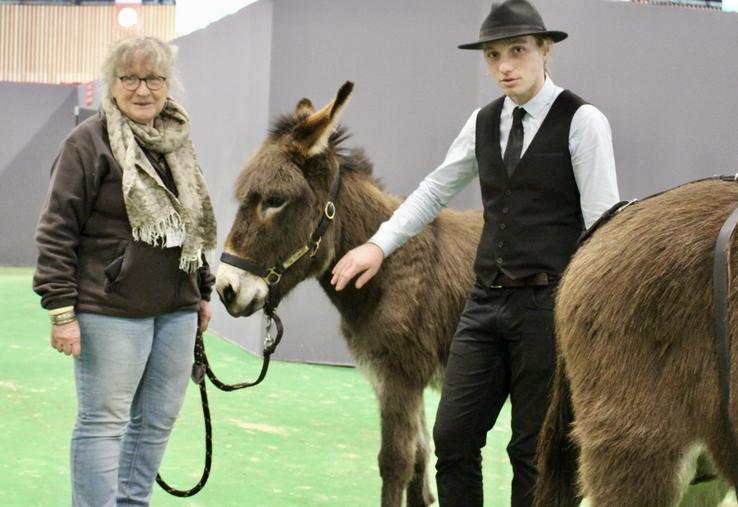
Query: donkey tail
x,y
557,452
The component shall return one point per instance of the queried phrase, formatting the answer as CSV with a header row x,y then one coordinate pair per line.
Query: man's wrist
x,y
373,242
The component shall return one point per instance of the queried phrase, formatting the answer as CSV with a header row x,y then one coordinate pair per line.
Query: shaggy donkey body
x,y
399,326
637,370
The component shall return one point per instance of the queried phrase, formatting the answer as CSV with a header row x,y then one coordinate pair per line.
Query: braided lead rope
x,y
200,368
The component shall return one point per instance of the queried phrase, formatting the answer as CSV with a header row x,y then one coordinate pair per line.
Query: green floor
x,y
307,436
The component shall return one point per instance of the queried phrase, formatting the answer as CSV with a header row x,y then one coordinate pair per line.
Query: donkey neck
x,y
361,208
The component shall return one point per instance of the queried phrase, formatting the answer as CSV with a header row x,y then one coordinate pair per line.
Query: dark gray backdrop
x,y
664,76
33,120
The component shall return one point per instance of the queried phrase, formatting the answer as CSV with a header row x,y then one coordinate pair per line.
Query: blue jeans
x,y
131,380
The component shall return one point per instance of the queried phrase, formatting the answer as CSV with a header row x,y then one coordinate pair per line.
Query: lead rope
x,y
272,277
721,287
200,368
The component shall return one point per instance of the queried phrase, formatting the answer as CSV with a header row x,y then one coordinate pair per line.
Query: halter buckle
x,y
273,277
316,247
269,340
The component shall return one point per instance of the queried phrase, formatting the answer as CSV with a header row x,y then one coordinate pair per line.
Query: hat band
x,y
513,30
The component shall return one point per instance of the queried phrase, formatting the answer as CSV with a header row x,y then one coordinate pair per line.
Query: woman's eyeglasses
x,y
131,83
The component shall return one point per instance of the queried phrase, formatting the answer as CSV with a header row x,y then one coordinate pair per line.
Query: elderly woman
x,y
121,270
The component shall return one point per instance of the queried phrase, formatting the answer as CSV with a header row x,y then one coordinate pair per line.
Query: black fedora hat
x,y
512,18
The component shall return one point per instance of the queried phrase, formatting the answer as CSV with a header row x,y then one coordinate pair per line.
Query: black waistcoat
x,y
532,219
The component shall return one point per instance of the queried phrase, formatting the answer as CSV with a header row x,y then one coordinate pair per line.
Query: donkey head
x,y
282,194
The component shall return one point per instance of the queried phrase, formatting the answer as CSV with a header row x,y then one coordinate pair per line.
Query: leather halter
x,y
201,368
273,275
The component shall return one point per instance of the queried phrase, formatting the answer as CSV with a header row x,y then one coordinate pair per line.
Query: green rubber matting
x,y
307,436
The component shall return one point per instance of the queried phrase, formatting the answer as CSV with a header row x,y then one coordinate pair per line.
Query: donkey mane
x,y
355,161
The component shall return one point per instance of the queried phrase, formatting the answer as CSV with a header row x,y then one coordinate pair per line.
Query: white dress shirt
x,y
590,145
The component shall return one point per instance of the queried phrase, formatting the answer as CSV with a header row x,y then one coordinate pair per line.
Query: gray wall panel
x,y
414,90
36,119
412,95
225,69
664,76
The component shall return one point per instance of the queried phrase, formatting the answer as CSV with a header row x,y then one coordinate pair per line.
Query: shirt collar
x,y
539,104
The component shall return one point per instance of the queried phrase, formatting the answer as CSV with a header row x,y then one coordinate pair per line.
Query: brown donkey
x,y
638,372
399,326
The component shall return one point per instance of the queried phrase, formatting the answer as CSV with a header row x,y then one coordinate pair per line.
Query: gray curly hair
x,y
152,50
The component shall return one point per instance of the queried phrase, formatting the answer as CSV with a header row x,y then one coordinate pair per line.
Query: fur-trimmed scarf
x,y
158,217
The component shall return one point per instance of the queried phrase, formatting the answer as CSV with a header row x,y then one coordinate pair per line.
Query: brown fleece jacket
x,y
86,255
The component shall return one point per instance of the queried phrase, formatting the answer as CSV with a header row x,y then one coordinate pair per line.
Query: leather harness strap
x,y
721,291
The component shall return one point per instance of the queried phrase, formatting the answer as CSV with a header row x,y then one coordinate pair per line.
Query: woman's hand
x,y
366,259
205,315
66,338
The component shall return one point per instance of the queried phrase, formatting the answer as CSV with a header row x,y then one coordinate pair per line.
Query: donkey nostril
x,y
228,294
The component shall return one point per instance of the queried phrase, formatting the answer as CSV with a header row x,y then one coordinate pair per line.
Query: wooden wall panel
x,y
66,43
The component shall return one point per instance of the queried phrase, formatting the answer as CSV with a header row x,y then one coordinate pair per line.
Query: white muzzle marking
x,y
250,291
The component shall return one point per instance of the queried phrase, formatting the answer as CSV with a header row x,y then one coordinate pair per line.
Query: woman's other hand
x,y
66,338
205,315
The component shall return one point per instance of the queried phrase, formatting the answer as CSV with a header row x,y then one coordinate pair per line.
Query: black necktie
x,y
514,141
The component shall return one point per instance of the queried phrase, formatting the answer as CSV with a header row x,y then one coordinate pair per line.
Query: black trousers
x,y
504,345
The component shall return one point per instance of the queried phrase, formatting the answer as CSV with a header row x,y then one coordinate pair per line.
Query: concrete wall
x,y
664,76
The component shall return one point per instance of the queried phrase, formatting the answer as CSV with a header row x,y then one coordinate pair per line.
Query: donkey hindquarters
x,y
634,318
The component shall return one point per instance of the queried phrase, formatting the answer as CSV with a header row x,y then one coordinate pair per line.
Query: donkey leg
x,y
720,458
637,476
418,491
399,406
706,487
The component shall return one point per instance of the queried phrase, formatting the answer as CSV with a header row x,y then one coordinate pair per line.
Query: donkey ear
x,y
304,108
318,127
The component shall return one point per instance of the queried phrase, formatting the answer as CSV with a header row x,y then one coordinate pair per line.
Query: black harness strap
x,y
244,264
721,291
617,208
604,218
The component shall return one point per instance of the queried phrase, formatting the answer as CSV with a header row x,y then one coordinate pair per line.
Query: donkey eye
x,y
272,202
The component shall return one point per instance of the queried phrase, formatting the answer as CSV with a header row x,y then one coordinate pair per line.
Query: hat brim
x,y
556,36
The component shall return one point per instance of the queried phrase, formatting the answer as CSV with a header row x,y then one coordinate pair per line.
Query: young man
x,y
545,164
